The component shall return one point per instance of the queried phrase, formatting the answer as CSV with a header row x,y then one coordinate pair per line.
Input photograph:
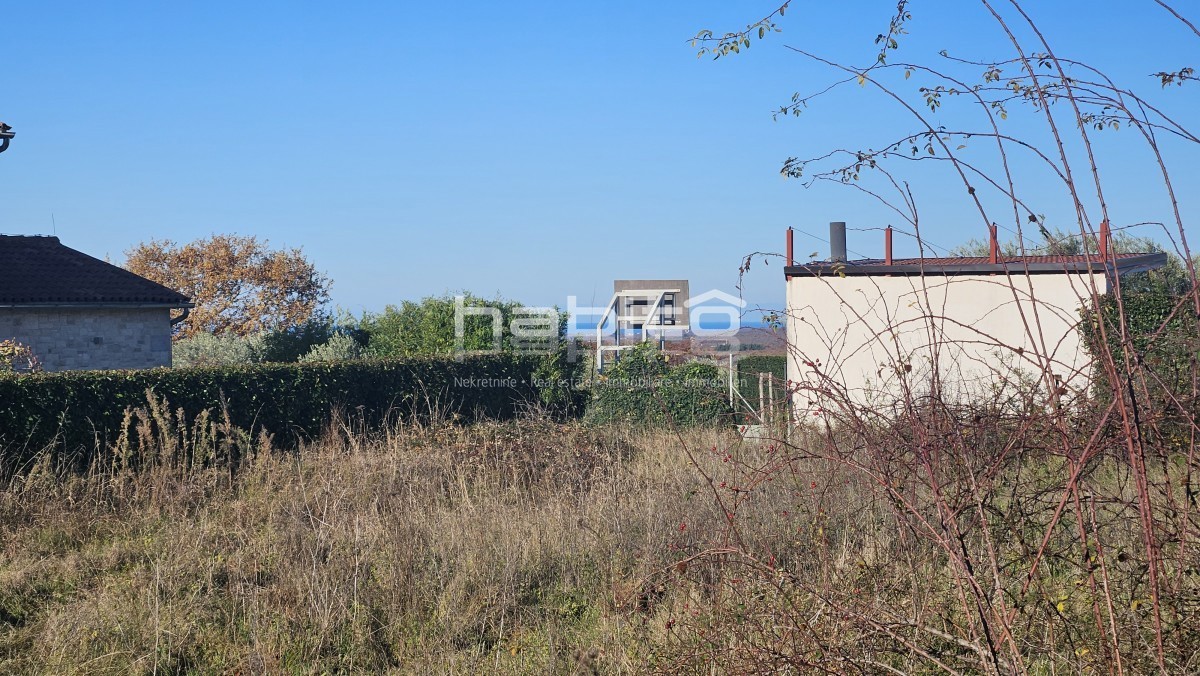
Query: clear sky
x,y
530,149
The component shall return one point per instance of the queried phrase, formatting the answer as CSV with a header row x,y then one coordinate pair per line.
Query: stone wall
x,y
91,338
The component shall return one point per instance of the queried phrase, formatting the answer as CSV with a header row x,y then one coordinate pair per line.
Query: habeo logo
x,y
632,316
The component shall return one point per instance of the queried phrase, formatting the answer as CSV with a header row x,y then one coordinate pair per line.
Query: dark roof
x,y
41,271
1122,263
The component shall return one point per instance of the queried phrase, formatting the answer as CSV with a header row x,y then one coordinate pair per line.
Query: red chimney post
x,y
789,248
1104,237
993,245
887,246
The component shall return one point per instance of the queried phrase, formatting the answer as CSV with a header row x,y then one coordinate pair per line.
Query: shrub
x,y
643,388
208,350
18,357
283,346
427,327
339,347
291,344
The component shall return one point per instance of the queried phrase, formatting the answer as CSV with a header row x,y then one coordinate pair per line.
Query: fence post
x,y
761,410
731,379
770,398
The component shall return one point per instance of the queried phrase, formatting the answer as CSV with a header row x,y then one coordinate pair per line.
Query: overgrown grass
x,y
521,547
540,547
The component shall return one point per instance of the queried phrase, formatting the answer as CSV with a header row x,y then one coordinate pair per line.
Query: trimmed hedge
x,y
1165,340
749,367
643,389
1171,353
81,412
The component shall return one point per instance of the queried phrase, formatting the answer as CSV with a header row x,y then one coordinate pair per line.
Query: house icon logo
x,y
715,313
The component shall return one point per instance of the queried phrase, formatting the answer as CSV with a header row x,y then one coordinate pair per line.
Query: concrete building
x,y
78,312
867,332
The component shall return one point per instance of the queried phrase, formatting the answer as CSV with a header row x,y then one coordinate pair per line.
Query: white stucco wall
x,y
91,338
863,335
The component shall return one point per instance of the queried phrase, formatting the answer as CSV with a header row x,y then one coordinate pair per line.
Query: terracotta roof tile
x,y
40,270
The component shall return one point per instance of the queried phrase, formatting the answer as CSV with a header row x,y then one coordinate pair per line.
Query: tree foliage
x,y
428,328
239,284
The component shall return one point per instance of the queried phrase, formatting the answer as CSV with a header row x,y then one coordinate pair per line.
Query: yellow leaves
x,y
239,284
17,357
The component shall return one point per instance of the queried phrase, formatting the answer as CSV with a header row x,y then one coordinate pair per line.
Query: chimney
x,y
887,246
1103,243
837,241
993,245
790,259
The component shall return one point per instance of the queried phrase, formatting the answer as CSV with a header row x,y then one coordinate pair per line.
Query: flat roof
x,y
1121,264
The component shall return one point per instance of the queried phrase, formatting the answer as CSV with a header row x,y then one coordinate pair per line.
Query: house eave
x,y
96,306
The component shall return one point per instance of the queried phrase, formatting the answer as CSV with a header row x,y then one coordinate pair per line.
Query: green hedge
x,y
644,389
1171,353
749,367
82,411
1165,340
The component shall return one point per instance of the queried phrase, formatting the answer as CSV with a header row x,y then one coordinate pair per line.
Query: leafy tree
x,y
427,328
239,284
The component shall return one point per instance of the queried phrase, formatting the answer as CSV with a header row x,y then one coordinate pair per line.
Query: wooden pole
x,y
731,380
770,398
761,410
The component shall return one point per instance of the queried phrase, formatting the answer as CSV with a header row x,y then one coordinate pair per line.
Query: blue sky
x,y
530,149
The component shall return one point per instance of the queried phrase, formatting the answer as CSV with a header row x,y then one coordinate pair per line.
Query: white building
x,y
865,332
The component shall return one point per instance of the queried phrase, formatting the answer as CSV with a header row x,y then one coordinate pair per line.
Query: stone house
x,y
79,312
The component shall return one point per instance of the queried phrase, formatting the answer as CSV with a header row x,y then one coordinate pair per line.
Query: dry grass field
x,y
521,548
534,547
